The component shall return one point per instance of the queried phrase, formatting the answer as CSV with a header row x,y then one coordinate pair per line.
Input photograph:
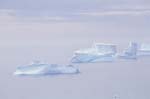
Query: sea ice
x,y
45,69
130,52
98,53
144,50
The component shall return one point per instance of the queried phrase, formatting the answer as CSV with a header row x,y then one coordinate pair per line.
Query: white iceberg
x,y
98,53
37,68
144,50
130,52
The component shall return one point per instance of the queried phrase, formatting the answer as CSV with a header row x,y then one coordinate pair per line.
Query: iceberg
x,y
144,50
37,68
130,52
98,53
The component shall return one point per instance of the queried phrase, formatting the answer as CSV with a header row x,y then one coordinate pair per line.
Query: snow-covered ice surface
x,y
106,49
42,69
98,53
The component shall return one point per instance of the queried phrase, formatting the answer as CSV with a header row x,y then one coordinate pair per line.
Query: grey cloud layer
x,y
116,12
10,15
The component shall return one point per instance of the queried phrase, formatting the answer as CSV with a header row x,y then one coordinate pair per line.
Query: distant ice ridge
x,y
100,52
144,50
130,52
38,68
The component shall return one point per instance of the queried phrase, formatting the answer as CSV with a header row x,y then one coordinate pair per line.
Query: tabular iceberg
x,y
45,69
144,50
98,53
130,52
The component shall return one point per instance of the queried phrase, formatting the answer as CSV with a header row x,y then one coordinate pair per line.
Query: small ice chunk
x,y
144,50
99,53
130,52
46,69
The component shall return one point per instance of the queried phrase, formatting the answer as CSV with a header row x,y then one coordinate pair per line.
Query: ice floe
x,y
38,68
100,52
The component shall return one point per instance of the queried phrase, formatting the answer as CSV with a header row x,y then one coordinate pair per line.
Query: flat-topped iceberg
x,y
100,52
144,50
37,68
130,52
